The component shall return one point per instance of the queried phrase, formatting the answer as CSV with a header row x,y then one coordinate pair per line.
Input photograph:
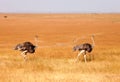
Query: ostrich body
x,y
26,47
84,48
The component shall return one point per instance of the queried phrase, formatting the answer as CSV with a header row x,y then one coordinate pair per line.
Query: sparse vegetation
x,y
55,63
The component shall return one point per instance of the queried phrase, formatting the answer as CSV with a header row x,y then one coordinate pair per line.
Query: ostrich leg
x,y
78,57
24,53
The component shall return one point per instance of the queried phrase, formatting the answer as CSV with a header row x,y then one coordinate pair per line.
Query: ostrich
x,y
84,48
26,47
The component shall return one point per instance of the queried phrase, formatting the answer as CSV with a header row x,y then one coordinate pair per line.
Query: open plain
x,y
54,59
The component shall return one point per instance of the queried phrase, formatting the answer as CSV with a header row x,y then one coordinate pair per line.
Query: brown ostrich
x,y
84,48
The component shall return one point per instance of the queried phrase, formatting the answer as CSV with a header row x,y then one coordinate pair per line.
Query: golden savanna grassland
x,y
54,58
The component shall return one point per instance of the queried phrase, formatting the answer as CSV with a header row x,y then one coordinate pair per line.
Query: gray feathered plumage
x,y
86,46
26,46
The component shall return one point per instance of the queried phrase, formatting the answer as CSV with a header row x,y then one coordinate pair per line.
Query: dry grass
x,y
54,59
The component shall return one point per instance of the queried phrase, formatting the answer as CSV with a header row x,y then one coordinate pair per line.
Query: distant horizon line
x,y
59,12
